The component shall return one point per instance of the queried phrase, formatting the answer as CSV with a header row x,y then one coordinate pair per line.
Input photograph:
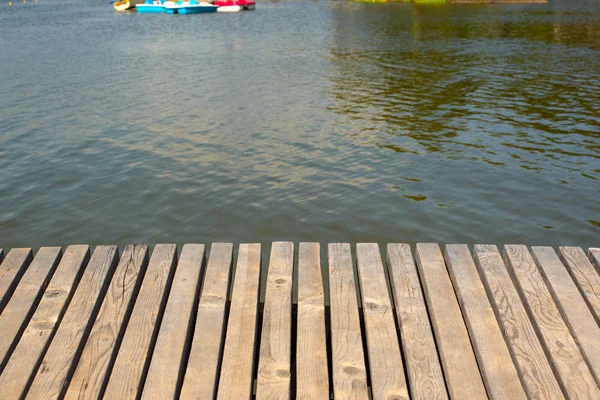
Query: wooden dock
x,y
337,321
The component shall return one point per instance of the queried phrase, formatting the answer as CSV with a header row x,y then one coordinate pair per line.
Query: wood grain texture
x,y
571,305
594,256
238,355
62,356
495,363
91,372
166,368
560,347
348,362
25,299
42,325
422,362
526,350
383,347
203,365
274,359
454,346
11,271
312,376
127,377
585,276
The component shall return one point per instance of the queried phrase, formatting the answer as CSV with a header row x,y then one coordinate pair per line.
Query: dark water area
x,y
304,121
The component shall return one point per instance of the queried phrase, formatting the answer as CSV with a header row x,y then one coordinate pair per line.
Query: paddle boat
x,y
124,5
151,6
234,5
189,7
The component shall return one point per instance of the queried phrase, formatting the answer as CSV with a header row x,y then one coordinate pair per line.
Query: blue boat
x,y
191,7
151,6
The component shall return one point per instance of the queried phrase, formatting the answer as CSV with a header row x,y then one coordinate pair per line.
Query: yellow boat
x,y
124,5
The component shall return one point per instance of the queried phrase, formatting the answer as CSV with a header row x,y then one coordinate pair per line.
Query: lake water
x,y
303,121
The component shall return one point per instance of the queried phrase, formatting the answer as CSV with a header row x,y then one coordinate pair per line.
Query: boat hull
x,y
196,9
126,5
150,8
229,9
187,8
235,6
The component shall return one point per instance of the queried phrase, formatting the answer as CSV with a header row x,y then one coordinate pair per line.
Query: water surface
x,y
319,121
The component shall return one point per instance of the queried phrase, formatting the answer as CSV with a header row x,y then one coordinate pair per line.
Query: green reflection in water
x,y
408,1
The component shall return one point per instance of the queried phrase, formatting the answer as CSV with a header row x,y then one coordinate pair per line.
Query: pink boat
x,y
234,5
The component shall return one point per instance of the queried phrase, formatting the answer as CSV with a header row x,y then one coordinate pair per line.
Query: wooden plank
x,y
95,361
571,305
42,325
11,271
238,355
201,376
312,376
585,276
422,362
274,362
495,363
167,366
25,299
56,367
383,347
348,362
127,377
552,330
526,350
454,347
594,256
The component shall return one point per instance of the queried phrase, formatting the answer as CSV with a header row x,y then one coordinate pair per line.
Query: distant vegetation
x,y
454,1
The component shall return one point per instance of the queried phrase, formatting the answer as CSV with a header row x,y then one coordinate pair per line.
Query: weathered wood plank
x,y
131,364
526,350
312,377
552,330
422,362
203,365
52,377
348,362
497,368
594,256
40,330
585,276
25,299
274,362
11,271
383,347
166,368
238,355
95,361
456,354
571,305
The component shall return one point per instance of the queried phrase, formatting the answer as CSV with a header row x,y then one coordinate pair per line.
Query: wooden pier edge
x,y
401,321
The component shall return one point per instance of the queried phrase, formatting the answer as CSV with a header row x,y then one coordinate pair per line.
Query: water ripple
x,y
301,121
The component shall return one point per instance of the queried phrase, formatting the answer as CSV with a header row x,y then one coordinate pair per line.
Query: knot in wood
x,y
53,293
282,373
351,370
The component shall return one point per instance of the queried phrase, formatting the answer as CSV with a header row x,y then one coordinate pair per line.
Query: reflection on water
x,y
301,121
471,91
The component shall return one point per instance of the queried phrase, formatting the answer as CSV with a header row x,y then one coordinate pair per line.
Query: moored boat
x,y
124,5
151,6
235,5
189,7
